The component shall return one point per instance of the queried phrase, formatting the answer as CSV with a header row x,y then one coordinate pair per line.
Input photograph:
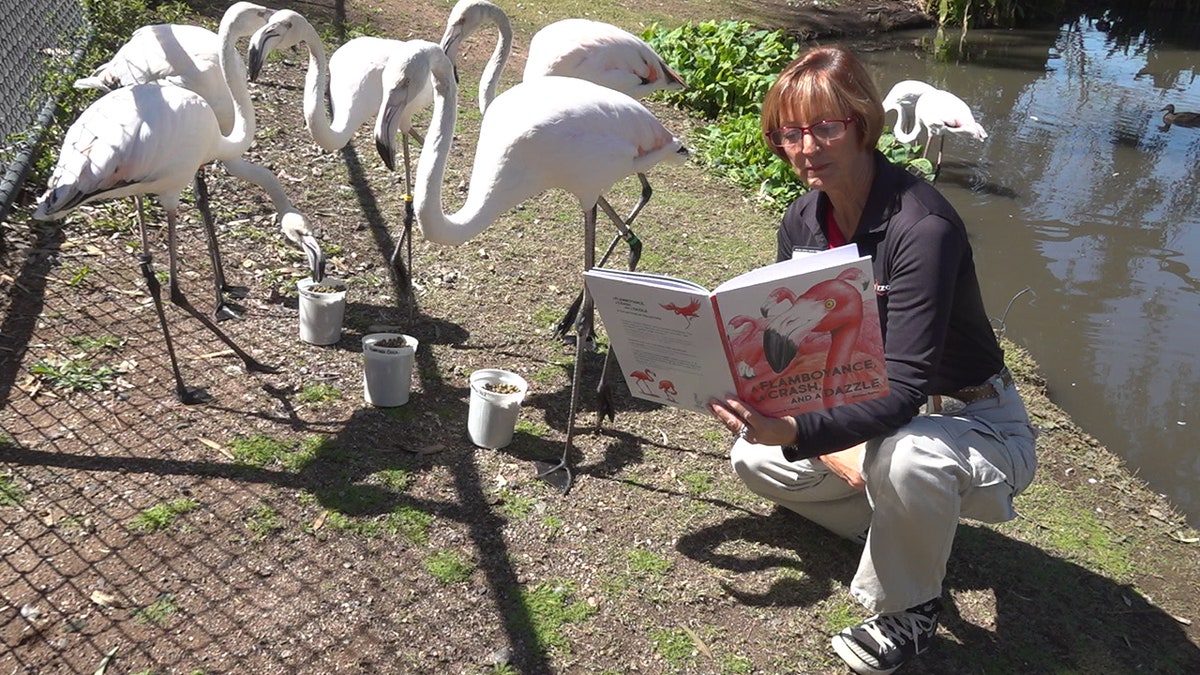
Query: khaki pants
x,y
920,480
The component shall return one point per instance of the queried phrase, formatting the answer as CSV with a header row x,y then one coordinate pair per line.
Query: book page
x,y
664,334
805,341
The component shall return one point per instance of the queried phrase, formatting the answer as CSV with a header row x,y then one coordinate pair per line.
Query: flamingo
x,y
590,50
746,343
644,377
942,113
150,139
353,77
550,132
189,56
832,306
902,98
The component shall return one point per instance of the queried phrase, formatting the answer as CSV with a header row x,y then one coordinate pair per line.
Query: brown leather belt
x,y
983,391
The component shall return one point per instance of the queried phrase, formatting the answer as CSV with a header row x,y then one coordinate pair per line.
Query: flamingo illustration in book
x,y
819,344
689,311
746,342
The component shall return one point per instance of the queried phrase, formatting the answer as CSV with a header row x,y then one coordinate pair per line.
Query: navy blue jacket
x,y
936,334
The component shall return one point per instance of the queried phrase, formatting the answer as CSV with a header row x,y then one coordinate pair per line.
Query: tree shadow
x,y
1051,615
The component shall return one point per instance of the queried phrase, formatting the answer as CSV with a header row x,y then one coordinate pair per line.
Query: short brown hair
x,y
825,78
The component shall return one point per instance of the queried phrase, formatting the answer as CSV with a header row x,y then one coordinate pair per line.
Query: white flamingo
x,y
151,139
352,76
902,98
549,132
189,56
581,48
921,106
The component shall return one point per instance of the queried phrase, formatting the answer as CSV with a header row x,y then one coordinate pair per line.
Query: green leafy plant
x,y
674,645
74,374
264,520
648,563
259,450
161,516
410,521
728,65
95,343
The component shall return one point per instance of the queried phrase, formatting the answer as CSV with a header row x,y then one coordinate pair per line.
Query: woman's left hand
x,y
738,416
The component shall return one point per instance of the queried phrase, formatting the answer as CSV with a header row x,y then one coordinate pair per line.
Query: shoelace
x,y
893,630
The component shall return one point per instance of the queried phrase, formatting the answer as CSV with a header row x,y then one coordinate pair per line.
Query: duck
x,y
1180,119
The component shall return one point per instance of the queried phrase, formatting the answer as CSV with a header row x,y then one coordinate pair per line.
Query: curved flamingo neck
x,y
490,79
330,135
238,140
480,210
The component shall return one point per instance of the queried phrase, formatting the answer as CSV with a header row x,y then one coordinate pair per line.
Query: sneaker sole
x,y
857,664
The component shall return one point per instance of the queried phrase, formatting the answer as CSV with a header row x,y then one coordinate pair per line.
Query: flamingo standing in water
x,y
589,50
151,139
551,132
189,56
921,106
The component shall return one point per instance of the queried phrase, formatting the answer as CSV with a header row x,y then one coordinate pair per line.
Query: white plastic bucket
x,y
321,314
387,371
492,416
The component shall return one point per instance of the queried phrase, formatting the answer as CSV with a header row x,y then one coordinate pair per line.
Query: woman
x,y
879,471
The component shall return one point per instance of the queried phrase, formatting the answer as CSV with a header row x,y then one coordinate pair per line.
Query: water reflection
x,y
1082,195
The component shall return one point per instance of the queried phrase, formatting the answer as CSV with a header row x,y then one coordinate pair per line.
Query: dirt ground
x,y
288,527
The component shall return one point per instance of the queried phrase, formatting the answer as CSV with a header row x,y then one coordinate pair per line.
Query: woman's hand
x,y
847,464
736,416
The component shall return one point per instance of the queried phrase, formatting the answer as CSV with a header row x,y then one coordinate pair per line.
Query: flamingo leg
x,y
559,474
937,168
221,311
624,233
178,299
183,393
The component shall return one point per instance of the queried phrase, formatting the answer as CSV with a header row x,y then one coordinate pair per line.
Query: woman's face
x,y
824,148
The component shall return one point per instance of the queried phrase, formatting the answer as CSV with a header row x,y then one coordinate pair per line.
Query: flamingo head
x,y
281,32
405,75
296,228
465,18
827,307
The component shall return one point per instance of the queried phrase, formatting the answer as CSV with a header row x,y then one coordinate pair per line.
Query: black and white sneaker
x,y
885,642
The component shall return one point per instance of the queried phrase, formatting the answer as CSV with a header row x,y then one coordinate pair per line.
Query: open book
x,y
789,338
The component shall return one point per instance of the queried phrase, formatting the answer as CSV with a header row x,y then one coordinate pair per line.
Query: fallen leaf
x,y
216,446
105,599
320,521
698,642
1179,537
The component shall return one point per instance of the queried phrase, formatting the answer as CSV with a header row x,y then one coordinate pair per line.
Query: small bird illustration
x,y
644,377
689,311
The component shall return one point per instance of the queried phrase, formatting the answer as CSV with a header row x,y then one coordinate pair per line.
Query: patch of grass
x,y
411,522
10,493
1076,533
74,374
674,645
264,520
551,605
448,567
535,429
95,343
553,525
403,413
259,450
646,563
80,275
839,615
310,448
697,482
394,479
736,664
161,516
157,612
550,373
514,505
319,393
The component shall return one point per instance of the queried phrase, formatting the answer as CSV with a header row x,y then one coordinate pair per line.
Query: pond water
x,y
1081,196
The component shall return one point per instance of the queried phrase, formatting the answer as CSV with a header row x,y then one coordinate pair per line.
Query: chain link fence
x,y
34,35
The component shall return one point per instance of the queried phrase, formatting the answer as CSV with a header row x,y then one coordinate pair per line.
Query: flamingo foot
x,y
557,474
225,311
238,292
192,395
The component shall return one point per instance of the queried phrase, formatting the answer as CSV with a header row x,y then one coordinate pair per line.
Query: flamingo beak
x,y
316,259
260,46
778,349
449,45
